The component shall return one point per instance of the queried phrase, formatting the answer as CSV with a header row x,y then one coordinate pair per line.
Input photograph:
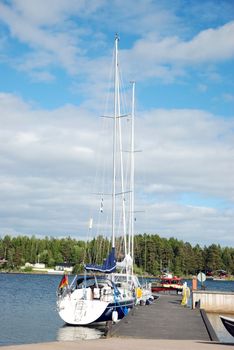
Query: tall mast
x,y
115,139
121,159
132,173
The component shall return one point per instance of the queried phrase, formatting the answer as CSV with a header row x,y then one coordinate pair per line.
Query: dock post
x,y
194,283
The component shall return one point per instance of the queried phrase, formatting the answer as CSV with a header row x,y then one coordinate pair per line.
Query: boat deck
x,y
164,319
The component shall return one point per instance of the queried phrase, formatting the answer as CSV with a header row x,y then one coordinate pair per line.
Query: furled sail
x,y
126,263
108,266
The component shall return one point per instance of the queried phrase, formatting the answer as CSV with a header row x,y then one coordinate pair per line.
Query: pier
x,y
164,319
213,301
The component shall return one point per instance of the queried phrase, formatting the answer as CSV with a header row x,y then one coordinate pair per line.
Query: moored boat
x,y
97,298
168,283
228,324
92,299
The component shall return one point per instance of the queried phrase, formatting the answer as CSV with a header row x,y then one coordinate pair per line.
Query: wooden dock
x,y
164,319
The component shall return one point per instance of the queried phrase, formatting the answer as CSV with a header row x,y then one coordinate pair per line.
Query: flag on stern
x,y
64,282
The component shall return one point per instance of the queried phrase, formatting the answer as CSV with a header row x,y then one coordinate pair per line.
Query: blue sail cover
x,y
108,266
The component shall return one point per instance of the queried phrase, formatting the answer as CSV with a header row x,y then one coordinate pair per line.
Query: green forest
x,y
152,254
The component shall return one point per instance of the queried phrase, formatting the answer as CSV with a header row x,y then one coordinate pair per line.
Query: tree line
x,y
152,253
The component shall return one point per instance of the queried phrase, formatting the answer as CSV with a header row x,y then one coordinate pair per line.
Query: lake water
x,y
28,311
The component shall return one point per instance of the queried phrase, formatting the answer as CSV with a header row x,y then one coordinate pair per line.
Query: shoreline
x,y
230,279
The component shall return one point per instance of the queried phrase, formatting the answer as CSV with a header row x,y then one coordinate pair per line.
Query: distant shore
x,y
230,278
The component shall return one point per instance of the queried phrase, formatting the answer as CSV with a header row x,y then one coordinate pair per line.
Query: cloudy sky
x,y
55,59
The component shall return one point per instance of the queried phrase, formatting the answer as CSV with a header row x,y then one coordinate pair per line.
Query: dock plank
x,y
164,319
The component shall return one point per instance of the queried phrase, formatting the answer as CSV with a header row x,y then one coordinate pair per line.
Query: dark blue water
x,y
28,310
209,284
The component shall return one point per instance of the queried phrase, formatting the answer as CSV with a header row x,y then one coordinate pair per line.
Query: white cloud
x,y
209,45
34,140
187,148
38,13
48,161
190,223
53,43
26,138
168,57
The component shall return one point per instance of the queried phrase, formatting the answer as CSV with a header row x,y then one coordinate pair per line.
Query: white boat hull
x,y
81,312
81,308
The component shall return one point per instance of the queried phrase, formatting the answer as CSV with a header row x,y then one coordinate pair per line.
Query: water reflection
x,y
70,333
219,328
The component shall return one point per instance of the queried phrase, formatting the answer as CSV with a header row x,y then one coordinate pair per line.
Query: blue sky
x,y
54,69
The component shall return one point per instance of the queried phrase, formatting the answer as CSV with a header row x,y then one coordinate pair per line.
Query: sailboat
x,y
98,298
